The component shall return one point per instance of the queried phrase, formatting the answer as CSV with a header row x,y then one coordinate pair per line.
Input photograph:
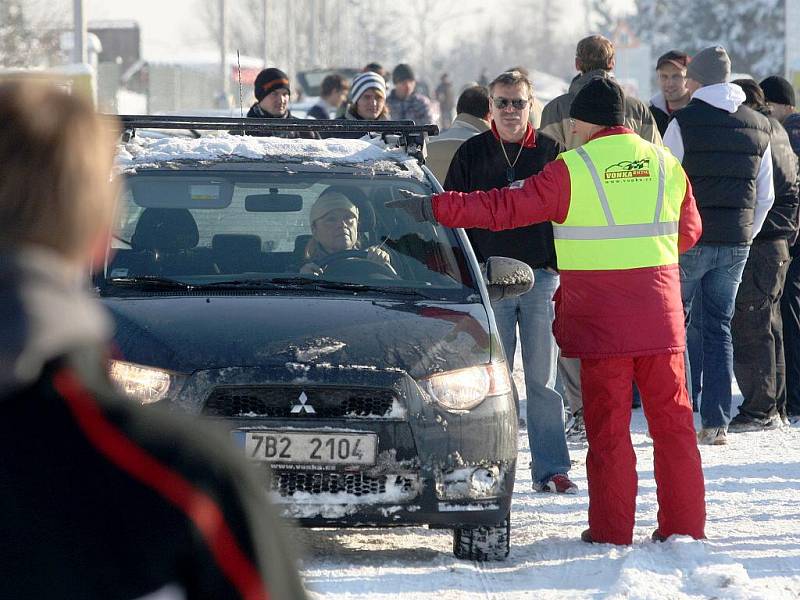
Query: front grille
x,y
277,402
286,483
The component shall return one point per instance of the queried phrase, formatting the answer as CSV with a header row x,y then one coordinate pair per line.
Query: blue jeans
x,y
717,272
534,313
694,349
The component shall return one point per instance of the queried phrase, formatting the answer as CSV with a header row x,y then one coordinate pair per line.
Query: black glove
x,y
419,206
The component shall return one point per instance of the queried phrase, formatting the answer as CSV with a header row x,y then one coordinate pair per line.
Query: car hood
x,y
188,334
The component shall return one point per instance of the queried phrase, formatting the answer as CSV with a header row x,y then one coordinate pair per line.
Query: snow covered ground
x,y
753,550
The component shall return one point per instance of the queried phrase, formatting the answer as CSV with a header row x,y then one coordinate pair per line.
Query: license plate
x,y
328,448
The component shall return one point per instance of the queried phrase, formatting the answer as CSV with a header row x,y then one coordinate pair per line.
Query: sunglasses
x,y
517,103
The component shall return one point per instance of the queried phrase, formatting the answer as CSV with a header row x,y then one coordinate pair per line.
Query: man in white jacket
x,y
724,148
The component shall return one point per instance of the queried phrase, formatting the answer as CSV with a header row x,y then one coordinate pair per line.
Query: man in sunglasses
x,y
511,151
622,211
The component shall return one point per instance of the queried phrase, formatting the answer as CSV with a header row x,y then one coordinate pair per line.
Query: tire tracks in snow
x,y
489,583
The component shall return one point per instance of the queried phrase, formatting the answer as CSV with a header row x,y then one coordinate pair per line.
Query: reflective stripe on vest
x,y
626,219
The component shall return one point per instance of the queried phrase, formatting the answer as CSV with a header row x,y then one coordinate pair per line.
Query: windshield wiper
x,y
325,284
149,282
238,284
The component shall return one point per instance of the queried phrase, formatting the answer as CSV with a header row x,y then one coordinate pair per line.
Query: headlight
x,y
143,384
464,389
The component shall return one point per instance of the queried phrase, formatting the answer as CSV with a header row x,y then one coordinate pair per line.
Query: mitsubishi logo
x,y
302,406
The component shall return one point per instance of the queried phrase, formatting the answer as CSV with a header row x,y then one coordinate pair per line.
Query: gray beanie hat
x,y
710,65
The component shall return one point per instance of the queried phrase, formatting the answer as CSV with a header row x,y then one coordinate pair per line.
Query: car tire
x,y
484,543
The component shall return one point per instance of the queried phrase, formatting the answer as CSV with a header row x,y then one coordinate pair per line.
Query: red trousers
x,y
611,461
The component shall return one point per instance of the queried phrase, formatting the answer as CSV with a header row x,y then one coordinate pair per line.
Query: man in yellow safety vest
x,y
622,211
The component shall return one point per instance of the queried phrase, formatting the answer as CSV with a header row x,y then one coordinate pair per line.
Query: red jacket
x,y
599,314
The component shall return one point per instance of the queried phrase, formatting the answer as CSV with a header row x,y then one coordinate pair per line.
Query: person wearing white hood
x,y
724,148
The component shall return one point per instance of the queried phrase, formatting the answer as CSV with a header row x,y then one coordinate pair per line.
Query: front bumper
x,y
434,467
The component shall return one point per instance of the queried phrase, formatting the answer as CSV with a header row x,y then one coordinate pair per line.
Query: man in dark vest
x,y
758,359
780,98
725,149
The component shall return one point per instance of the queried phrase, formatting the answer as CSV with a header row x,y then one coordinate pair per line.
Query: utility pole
x,y
791,11
224,72
313,37
79,53
291,34
264,27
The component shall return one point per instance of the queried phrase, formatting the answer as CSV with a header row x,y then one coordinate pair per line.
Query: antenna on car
x,y
239,68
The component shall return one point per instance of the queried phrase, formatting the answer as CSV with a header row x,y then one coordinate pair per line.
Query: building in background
x,y
634,67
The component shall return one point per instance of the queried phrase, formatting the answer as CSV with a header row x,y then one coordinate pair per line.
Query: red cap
x,y
675,57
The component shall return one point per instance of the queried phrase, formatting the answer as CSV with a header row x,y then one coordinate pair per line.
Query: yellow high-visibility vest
x,y
625,204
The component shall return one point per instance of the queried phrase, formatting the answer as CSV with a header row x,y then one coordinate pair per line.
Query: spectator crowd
x,y
664,244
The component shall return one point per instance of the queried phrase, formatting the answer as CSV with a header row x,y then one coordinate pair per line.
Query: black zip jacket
x,y
256,112
782,218
479,164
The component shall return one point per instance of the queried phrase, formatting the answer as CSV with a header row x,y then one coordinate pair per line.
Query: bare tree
x,y
29,34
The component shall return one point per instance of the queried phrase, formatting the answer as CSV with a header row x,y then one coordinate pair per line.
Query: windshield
x,y
215,229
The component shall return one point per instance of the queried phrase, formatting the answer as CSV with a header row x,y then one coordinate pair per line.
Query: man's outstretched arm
x,y
539,198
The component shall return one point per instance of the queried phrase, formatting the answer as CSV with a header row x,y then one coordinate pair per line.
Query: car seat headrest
x,y
165,229
235,243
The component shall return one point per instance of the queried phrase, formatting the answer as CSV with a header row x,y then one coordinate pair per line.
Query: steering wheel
x,y
354,263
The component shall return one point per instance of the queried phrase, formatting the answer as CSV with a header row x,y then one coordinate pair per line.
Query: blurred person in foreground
x,y
333,94
510,151
757,326
101,498
622,211
472,118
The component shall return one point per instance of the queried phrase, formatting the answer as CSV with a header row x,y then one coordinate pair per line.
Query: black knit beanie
x,y
600,102
778,90
270,80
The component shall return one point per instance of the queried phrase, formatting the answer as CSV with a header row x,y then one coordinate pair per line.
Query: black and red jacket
x,y
599,314
103,499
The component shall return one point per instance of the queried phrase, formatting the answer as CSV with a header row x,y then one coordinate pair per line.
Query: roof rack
x,y
404,134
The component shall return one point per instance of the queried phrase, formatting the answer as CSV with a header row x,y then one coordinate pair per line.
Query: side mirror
x,y
507,278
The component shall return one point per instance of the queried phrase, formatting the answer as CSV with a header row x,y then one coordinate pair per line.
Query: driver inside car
x,y
334,229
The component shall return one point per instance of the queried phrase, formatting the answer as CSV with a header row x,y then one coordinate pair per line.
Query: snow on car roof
x,y
152,151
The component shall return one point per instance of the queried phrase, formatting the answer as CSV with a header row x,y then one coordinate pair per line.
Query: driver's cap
x,y
331,201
